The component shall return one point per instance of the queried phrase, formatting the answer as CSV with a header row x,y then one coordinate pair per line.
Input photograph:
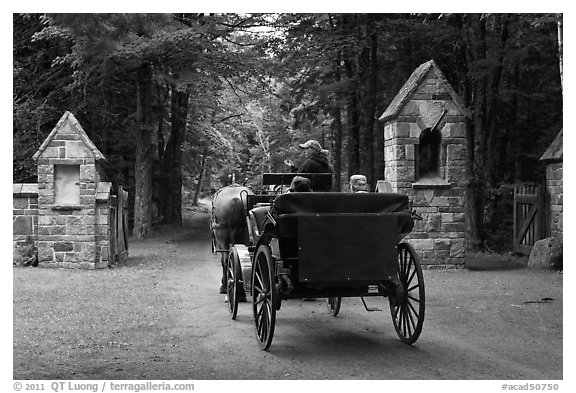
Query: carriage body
x,y
338,244
327,245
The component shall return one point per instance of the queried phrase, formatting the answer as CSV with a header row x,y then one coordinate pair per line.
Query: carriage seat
x,y
355,206
257,215
332,202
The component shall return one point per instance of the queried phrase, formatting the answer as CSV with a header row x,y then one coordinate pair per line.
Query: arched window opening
x,y
429,154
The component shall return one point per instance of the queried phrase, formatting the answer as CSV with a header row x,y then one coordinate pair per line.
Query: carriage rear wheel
x,y
333,305
408,304
264,296
233,285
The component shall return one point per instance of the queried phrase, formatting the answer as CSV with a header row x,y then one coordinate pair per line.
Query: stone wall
x,y
554,186
24,214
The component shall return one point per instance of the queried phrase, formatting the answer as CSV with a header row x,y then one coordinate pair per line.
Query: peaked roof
x,y
74,125
412,85
555,150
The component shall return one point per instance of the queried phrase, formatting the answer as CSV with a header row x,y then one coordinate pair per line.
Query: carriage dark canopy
x,y
331,202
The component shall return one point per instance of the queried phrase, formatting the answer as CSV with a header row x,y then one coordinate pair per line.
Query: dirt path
x,y
479,325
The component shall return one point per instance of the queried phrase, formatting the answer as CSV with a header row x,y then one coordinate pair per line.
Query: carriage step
x,y
369,309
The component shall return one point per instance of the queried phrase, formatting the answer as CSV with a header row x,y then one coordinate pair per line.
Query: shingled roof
x,y
555,150
74,126
412,85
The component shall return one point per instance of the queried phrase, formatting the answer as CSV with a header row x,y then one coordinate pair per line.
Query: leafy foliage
x,y
259,84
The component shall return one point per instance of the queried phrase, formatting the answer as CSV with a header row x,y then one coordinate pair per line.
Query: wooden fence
x,y
118,247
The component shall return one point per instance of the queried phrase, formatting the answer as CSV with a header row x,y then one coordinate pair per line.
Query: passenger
x,y
300,184
358,183
316,161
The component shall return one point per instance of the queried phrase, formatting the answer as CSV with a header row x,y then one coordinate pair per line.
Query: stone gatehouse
x,y
425,153
67,213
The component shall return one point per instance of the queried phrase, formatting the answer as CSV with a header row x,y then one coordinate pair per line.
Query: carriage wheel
x,y
333,305
263,296
407,305
233,285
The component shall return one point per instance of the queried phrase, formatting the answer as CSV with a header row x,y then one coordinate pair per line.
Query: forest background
x,y
183,104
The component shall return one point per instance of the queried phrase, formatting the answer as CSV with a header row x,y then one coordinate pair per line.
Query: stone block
x,y
455,153
58,230
546,254
456,201
104,253
44,230
20,203
22,225
88,252
68,137
87,173
459,217
75,230
87,200
454,235
433,223
422,244
71,257
440,201
63,246
442,244
453,227
447,217
74,220
76,149
50,152
45,254
45,199
458,248
410,152
458,130
402,130
389,131
415,130
410,109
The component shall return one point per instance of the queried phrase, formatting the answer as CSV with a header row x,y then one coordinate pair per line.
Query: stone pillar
x,y
67,182
554,186
427,105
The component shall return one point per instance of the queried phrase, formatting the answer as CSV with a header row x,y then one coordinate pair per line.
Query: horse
x,y
228,222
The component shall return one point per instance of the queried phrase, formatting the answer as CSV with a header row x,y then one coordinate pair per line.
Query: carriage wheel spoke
x,y
414,312
413,298
413,287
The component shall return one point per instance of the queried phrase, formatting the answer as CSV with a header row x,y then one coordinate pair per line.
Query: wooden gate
x,y
118,239
528,217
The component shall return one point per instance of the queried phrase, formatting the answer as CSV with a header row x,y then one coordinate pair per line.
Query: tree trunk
x,y
144,152
172,162
476,54
561,50
200,177
353,120
337,132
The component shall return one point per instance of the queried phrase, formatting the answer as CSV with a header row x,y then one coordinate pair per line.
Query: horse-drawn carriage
x,y
325,245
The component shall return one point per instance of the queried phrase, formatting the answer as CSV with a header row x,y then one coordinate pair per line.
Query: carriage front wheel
x,y
333,305
408,303
264,296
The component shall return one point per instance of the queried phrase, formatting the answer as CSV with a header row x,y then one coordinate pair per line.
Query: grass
x,y
64,317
